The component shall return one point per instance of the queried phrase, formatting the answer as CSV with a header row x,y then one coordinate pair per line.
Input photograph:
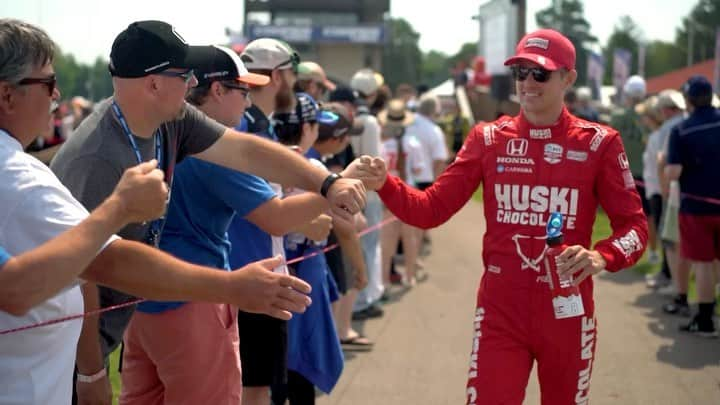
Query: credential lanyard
x,y
131,137
155,228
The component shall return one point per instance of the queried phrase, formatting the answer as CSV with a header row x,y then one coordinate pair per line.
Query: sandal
x,y
359,343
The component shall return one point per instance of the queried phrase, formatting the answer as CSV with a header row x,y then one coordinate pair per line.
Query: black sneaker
x,y
700,328
373,311
677,307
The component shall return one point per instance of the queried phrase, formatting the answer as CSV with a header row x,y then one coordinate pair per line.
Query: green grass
x,y
477,196
114,376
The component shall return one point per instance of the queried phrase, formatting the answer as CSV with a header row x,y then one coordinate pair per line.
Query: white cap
x,y
584,94
364,82
269,53
634,87
670,98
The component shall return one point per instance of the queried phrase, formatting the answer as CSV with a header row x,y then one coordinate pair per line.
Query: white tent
x,y
444,89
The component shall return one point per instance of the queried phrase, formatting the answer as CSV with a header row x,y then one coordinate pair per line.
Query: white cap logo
x,y
178,36
537,43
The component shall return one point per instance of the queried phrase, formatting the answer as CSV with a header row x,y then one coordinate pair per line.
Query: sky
x,y
86,28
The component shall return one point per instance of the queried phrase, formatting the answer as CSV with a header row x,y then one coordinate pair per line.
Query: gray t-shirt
x,y
91,162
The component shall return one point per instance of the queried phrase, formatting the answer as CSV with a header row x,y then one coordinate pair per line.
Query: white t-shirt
x,y
36,365
433,146
278,246
293,239
413,156
367,143
657,142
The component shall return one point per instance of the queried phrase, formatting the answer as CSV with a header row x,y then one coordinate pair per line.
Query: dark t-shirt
x,y
91,162
695,144
340,160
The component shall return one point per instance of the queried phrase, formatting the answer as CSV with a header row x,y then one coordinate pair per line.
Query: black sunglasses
x,y
228,85
186,75
49,82
540,75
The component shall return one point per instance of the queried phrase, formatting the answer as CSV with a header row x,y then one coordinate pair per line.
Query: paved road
x,y
423,341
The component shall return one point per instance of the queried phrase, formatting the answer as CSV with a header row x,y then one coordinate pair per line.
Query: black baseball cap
x,y
149,47
697,86
343,93
336,120
222,63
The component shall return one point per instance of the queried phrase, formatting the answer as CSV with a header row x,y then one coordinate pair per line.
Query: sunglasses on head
x,y
294,61
521,73
186,75
327,117
50,82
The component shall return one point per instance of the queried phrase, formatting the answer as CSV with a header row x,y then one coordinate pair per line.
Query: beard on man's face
x,y
284,97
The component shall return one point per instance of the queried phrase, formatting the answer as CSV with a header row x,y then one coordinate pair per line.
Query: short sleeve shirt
x,y
695,144
205,199
36,364
432,144
248,242
92,161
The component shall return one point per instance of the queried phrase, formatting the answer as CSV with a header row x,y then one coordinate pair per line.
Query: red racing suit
x,y
527,172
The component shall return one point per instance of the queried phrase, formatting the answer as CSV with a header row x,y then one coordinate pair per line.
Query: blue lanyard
x,y
131,137
155,228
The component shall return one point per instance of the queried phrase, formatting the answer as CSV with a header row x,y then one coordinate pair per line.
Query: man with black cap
x,y
147,117
542,161
157,363
693,150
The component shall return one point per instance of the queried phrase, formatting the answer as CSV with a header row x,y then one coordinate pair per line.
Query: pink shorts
x,y
189,355
700,237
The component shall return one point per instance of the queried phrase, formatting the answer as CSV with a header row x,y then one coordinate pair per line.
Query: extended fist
x,y
346,197
371,170
319,228
142,192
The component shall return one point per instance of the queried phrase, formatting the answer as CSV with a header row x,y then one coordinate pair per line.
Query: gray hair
x,y
23,48
429,105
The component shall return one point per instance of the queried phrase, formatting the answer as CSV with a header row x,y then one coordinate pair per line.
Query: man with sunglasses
x,y
543,160
263,352
157,363
147,117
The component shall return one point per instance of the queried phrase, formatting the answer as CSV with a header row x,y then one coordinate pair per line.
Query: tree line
x,y
404,62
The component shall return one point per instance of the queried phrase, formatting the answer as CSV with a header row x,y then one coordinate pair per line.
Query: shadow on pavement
x,y
685,351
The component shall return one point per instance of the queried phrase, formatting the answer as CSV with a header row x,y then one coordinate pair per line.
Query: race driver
x,y
541,161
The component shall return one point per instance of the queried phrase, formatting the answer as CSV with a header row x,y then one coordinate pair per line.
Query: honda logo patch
x,y
623,161
517,147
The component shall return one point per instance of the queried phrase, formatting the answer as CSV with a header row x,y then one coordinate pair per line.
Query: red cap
x,y
548,48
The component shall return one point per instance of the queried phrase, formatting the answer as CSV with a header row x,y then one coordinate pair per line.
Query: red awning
x,y
676,78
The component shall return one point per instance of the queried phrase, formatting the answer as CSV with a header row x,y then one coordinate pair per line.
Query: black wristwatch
x,y
328,182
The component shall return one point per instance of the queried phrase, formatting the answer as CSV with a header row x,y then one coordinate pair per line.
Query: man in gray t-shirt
x,y
91,163
147,118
